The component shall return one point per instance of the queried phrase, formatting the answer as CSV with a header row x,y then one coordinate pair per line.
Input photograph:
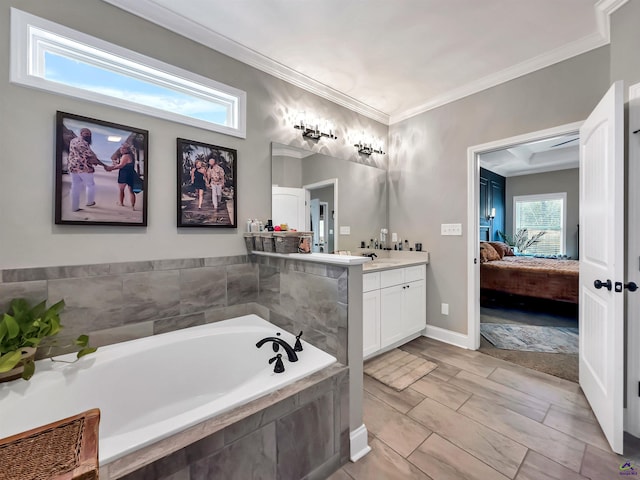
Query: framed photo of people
x,y
101,172
207,188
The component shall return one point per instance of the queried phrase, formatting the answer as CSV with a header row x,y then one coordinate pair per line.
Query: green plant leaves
x,y
26,326
86,351
9,360
29,369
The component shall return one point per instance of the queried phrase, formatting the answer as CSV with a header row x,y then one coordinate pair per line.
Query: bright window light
x,y
52,57
542,213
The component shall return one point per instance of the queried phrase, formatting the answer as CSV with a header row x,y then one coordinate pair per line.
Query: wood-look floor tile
x,y
502,395
441,391
632,447
398,431
598,464
579,422
442,460
340,475
401,401
551,443
460,359
493,448
382,463
444,371
556,395
538,467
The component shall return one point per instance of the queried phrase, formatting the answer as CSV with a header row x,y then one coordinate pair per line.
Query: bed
x,y
548,278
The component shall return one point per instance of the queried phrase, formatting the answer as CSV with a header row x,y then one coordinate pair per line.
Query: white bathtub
x,y
154,387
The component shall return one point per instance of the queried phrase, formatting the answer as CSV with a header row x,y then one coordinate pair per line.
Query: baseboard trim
x,y
358,443
447,336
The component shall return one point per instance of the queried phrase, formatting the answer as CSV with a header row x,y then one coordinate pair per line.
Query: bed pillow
x,y
488,253
502,248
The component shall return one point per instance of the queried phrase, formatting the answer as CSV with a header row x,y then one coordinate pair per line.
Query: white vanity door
x,y
391,328
370,322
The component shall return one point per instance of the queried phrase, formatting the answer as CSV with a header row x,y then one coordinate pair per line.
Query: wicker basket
x,y
290,242
63,450
268,242
249,241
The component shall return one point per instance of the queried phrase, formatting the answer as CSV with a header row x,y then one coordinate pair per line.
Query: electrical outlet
x,y
345,230
445,309
451,229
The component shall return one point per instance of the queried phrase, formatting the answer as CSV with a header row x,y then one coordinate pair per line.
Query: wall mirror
x,y
344,203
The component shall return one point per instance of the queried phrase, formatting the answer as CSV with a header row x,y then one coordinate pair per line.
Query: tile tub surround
x,y
114,302
299,431
149,297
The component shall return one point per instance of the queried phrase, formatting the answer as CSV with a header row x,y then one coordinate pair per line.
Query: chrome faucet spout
x,y
291,354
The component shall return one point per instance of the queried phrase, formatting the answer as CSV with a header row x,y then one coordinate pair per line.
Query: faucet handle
x,y
279,366
298,346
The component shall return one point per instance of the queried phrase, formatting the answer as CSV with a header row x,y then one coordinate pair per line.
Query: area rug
x,y
398,369
531,338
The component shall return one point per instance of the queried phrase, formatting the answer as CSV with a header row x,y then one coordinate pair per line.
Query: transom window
x,y
55,58
542,213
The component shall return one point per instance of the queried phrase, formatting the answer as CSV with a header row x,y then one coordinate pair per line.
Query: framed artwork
x,y
207,188
101,172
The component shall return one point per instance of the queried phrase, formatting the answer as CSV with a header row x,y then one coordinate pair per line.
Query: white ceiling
x,y
550,154
389,59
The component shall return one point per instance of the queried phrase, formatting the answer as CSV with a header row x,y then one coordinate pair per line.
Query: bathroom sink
x,y
382,263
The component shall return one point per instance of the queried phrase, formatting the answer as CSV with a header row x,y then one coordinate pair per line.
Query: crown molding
x,y
176,23
565,52
168,19
603,9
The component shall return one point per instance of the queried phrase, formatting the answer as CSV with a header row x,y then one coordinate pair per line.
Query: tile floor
x,y
479,417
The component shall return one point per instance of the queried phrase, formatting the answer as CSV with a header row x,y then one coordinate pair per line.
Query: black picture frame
x,y
77,201
214,168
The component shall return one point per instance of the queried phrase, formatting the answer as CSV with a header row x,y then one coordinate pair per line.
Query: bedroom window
x,y
542,213
51,57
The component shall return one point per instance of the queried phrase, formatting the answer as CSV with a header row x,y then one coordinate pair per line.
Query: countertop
x,y
388,260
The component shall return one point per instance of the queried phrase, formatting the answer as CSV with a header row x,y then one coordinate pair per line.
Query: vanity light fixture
x,y
314,129
368,147
492,214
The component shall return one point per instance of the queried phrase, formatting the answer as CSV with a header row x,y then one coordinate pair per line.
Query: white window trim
x,y
26,64
546,196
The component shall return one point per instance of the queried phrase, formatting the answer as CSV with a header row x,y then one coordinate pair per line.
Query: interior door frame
x,y
327,183
473,239
632,273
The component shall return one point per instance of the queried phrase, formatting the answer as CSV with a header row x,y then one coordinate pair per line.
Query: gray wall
x,y
28,237
625,39
428,163
551,182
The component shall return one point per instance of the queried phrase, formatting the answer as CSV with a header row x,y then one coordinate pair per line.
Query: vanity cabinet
x,y
394,307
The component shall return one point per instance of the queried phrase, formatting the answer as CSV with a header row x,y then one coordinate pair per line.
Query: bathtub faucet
x,y
278,341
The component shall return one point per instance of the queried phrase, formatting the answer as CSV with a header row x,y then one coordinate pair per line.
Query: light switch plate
x,y
451,229
345,230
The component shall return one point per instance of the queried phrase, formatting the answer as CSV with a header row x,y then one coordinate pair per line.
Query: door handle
x,y
599,284
631,286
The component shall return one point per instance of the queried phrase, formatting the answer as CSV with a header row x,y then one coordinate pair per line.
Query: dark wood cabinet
x,y
492,196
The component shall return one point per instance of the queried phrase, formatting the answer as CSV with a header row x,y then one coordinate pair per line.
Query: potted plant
x,y
22,329
521,240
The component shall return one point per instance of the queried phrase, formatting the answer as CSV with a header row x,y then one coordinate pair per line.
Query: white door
x,y
414,307
391,315
370,322
602,263
314,206
288,206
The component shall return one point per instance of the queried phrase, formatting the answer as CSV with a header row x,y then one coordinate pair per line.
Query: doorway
x,y
513,312
322,214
